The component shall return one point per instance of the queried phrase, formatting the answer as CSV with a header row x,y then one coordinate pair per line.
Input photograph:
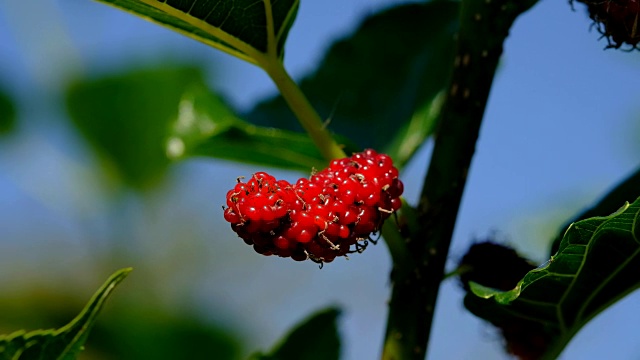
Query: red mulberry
x,y
331,214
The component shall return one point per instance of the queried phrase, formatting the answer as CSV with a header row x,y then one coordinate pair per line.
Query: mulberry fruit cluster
x,y
617,20
333,213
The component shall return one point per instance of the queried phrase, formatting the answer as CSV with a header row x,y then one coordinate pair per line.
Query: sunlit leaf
x,y
316,338
140,121
66,342
384,85
252,30
206,126
126,118
598,263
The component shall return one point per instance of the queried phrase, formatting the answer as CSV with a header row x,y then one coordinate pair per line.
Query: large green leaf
x,y
384,85
598,263
316,338
7,113
64,343
253,30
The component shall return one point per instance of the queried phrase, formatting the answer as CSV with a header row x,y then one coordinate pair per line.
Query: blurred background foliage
x,y
7,113
85,190
126,118
130,330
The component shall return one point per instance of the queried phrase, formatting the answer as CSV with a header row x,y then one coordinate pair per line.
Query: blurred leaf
x,y
383,86
598,263
140,331
627,190
206,126
127,117
131,328
66,342
251,30
141,120
316,338
7,113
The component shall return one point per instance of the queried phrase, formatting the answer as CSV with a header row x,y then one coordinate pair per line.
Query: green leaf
x,y
126,118
139,121
7,113
384,85
316,338
206,126
626,190
252,30
485,292
64,343
135,327
598,263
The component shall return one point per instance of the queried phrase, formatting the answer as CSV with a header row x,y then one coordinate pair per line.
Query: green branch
x,y
395,240
484,25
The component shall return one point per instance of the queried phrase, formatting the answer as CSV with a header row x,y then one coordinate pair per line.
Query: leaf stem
x,y
484,25
306,114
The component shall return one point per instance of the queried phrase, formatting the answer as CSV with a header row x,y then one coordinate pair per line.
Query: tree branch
x,y
484,25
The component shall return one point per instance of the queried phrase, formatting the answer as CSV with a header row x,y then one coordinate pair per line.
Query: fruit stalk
x,y
304,112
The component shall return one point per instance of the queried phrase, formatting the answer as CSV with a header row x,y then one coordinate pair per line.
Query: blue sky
x,y
560,129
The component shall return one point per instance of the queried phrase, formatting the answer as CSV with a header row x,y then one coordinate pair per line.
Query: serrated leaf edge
x,y
86,317
506,297
93,308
